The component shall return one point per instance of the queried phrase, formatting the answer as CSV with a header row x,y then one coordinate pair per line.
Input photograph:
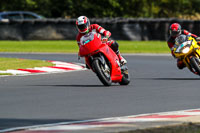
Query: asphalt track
x,y
156,86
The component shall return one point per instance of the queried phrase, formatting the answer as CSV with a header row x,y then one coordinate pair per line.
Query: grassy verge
x,y
14,63
71,46
39,46
143,47
184,128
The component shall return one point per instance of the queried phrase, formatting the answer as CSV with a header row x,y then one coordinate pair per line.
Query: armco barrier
x,y
65,29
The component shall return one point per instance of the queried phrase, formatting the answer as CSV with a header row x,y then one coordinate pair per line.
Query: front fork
x,y
100,57
187,60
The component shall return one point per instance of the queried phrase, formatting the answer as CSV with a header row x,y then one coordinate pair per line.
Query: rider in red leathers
x,y
84,27
175,30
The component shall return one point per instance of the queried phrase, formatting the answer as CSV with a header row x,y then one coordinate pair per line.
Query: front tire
x,y
102,73
195,63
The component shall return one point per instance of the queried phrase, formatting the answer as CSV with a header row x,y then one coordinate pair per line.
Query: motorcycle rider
x,y
84,27
175,30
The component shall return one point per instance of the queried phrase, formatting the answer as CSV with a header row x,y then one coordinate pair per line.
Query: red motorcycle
x,y
102,60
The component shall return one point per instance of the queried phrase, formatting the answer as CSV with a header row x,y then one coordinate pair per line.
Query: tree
x,y
104,8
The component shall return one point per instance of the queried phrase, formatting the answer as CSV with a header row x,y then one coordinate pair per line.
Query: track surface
x,y
157,86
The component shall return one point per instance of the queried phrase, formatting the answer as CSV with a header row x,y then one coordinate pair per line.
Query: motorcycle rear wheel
x,y
195,64
105,78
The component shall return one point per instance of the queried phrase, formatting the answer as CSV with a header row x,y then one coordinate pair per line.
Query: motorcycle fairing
x,y
113,59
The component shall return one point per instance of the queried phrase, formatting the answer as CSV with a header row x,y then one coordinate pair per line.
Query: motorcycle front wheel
x,y
195,63
103,73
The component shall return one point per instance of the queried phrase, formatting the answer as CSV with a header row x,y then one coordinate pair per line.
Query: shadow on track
x,y
6,123
169,78
70,85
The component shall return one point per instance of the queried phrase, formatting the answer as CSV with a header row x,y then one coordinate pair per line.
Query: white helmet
x,y
83,24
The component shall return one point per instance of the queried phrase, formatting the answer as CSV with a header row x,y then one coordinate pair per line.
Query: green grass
x,y
15,63
143,47
71,46
182,128
5,74
39,46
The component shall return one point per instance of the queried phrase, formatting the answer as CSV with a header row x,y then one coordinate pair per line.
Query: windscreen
x,y
87,38
180,39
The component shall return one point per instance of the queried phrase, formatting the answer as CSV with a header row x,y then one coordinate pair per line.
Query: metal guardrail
x,y
65,29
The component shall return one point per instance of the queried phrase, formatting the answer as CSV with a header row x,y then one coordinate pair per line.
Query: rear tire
x,y
104,78
195,63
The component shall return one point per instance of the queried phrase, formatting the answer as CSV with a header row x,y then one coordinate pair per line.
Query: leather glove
x,y
104,40
107,34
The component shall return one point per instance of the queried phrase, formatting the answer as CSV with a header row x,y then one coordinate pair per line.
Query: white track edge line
x,y
92,120
42,73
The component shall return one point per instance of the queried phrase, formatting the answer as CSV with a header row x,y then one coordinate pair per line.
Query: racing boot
x,y
180,64
121,59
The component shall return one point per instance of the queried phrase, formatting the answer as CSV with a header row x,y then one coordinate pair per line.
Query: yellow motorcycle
x,y
187,49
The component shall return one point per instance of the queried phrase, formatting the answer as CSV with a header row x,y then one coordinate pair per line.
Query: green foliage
x,y
104,8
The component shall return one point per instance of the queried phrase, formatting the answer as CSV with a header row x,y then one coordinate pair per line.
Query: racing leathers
x,y
171,43
112,44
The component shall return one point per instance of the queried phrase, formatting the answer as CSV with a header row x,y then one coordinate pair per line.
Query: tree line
x,y
105,8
